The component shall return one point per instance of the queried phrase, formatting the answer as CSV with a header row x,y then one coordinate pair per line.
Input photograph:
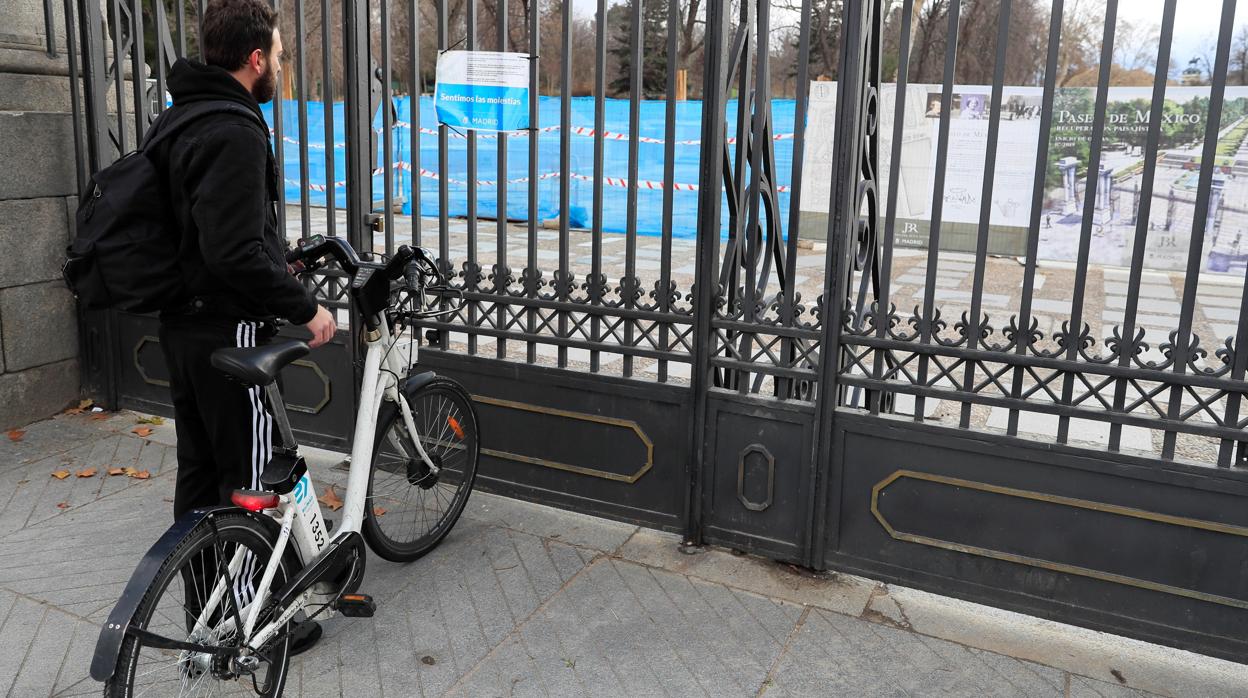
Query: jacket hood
x,y
191,81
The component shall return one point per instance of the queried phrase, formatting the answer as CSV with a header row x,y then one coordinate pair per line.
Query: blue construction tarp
x,y
425,172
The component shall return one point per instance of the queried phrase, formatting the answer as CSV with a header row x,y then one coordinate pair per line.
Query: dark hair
x,y
235,28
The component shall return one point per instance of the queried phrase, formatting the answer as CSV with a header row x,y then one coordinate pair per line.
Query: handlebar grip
x,y
411,275
318,246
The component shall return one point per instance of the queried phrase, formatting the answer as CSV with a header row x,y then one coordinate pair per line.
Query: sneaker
x,y
303,636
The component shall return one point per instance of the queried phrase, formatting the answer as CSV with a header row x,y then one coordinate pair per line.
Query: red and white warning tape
x,y
581,131
608,181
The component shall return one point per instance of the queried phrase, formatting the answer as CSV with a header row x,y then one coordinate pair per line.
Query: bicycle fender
x,y
108,646
409,387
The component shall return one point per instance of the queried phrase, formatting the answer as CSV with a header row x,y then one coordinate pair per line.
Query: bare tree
x,y
1135,45
1238,72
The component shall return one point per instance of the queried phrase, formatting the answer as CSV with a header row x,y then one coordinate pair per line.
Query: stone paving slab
x,y
525,600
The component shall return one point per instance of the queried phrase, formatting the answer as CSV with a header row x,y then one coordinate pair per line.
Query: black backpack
x,y
124,254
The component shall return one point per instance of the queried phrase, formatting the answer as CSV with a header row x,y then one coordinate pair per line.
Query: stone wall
x,y
39,371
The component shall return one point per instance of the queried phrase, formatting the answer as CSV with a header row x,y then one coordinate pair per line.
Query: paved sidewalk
x,y
526,600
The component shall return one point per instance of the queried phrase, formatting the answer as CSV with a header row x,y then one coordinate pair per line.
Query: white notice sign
x,y
483,90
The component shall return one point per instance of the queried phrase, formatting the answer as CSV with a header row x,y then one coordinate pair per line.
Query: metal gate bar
x,y
1075,327
985,205
1186,345
1023,339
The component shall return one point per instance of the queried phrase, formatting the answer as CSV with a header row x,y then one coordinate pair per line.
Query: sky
x,y
1195,27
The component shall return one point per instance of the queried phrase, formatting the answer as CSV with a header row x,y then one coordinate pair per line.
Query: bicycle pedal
x,y
356,605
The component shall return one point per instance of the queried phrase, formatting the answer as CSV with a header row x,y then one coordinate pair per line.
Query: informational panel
x,y
1114,223
483,90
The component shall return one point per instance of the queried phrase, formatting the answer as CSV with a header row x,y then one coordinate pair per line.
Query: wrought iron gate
x,y
692,386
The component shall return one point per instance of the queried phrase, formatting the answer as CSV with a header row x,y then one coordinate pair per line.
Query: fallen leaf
x,y
16,434
62,505
60,474
116,471
99,417
87,472
330,499
142,431
140,475
130,470
379,511
83,406
151,420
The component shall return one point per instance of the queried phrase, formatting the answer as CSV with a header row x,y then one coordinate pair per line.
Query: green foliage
x,y
653,48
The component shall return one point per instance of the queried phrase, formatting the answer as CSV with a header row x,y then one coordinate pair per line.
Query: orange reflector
x,y
252,500
459,431
353,597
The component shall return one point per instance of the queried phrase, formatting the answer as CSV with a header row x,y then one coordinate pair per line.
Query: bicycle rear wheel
x,y
411,507
172,606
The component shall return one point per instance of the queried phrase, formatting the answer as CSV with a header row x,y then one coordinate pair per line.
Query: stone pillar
x,y
1215,199
39,372
1170,209
1105,189
1067,167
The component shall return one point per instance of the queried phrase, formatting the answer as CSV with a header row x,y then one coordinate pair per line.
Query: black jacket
x,y
223,190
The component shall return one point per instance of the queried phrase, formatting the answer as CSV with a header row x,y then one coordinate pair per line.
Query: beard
x,y
265,87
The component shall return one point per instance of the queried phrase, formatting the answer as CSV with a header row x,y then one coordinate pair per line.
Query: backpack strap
x,y
194,113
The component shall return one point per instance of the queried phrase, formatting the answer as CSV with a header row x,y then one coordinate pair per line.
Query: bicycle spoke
x,y
421,504
177,607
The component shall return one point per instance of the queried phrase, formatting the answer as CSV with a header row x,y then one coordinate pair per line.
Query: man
x,y
222,186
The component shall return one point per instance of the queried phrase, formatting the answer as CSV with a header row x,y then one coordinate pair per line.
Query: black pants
x,y
224,428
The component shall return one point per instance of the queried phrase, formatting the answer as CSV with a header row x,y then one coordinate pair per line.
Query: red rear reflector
x,y
251,500
454,423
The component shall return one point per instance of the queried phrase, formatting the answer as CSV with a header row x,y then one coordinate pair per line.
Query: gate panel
x,y
606,447
757,485
1065,448
1112,542
318,389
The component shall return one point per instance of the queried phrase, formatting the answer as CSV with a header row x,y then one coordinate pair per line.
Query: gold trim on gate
x,y
579,416
138,365
1048,564
325,388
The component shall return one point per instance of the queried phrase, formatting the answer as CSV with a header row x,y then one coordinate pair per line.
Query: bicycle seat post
x,y
278,407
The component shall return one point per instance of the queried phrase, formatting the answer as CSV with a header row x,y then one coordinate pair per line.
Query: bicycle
x,y
211,604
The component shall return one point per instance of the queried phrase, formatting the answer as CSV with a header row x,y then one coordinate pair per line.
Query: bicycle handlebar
x,y
315,248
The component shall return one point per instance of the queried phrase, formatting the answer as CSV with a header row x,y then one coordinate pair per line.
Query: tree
x,y
653,47
1238,71
1135,45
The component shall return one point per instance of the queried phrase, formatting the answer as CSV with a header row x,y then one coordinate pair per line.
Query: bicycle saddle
x,y
258,365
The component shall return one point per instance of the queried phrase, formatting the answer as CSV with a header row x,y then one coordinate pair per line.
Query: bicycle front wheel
x,y
198,570
412,506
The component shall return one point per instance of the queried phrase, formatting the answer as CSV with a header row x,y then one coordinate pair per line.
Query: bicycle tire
x,y
232,526
444,404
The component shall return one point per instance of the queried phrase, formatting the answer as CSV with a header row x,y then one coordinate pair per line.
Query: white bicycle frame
x,y
299,512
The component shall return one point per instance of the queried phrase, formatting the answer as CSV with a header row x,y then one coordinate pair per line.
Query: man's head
x,y
241,36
